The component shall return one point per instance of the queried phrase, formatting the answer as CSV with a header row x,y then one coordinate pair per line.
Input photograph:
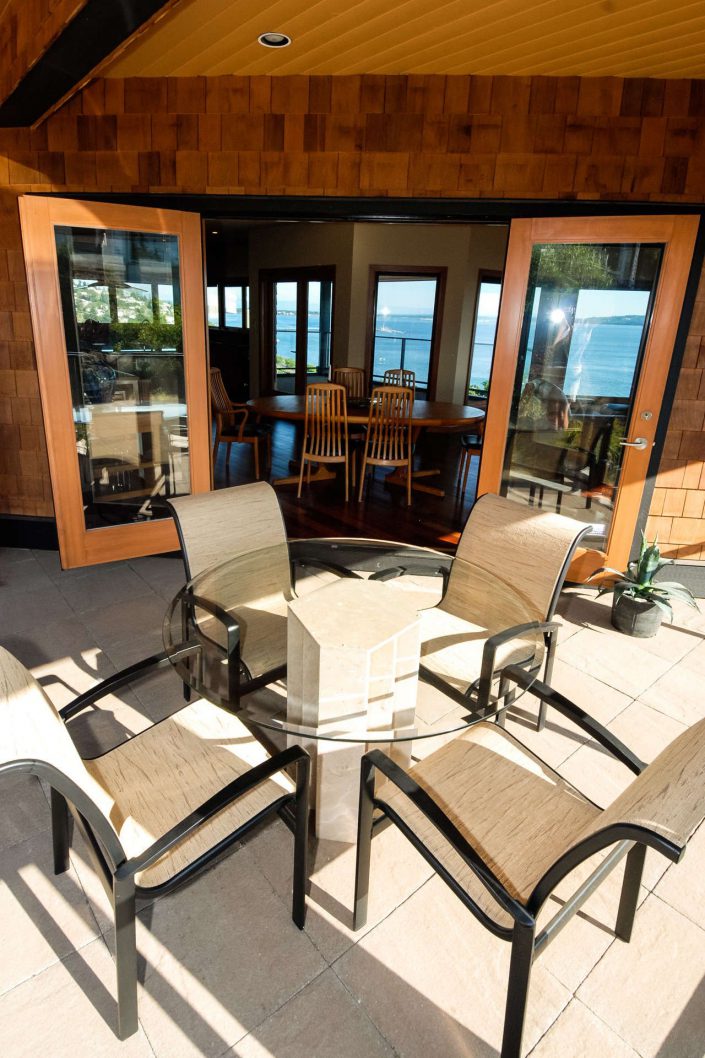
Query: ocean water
x,y
601,359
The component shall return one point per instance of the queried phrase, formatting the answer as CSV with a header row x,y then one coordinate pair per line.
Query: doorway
x,y
297,327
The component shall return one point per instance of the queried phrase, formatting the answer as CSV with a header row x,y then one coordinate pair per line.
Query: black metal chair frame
x,y
478,697
630,841
69,805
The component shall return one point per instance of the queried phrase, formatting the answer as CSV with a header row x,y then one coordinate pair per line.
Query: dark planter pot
x,y
636,617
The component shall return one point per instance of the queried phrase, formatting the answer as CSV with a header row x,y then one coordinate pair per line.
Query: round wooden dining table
x,y
425,413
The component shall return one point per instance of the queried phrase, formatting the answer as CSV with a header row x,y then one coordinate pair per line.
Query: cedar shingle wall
x,y
459,137
27,28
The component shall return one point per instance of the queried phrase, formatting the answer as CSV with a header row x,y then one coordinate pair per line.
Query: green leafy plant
x,y
638,580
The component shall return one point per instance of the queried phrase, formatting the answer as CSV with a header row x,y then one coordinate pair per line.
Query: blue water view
x,y
601,360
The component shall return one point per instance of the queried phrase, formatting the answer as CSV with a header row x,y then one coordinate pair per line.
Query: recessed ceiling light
x,y
274,40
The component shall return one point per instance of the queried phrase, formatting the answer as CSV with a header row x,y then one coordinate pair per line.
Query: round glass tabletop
x,y
345,640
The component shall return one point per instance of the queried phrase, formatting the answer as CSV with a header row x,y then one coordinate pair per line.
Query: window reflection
x,y
121,304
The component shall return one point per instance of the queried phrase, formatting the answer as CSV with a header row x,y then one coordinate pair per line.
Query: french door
x,y
116,296
297,331
587,324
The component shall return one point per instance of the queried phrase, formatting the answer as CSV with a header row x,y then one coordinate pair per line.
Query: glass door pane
x,y
121,308
586,316
319,325
285,319
404,322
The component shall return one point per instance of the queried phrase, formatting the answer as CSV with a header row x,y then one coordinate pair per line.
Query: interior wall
x,y
301,246
467,137
462,249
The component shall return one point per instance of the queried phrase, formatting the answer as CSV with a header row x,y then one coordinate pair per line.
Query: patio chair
x,y
503,829
325,430
389,440
158,809
234,425
510,564
399,376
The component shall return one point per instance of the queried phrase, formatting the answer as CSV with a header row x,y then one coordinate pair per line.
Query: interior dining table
x,y
425,413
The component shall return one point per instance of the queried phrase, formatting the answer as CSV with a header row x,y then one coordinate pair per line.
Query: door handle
x,y
641,443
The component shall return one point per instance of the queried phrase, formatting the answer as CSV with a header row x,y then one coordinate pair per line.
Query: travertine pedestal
x,y
352,669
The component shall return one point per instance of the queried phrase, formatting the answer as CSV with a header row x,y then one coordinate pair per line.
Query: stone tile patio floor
x,y
228,973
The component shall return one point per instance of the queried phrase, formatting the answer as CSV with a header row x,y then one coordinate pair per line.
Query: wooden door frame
x,y
440,272
298,274
678,233
38,216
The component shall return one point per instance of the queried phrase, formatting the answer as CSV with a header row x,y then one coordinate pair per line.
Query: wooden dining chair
x,y
353,379
158,809
234,424
503,829
399,376
325,430
389,441
470,446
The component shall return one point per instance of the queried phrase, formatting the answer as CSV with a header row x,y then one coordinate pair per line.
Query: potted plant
x,y
639,602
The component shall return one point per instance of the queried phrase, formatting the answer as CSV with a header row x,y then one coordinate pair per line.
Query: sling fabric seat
x,y
503,829
155,810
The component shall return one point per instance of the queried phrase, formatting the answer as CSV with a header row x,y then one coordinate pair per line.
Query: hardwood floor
x,y
431,521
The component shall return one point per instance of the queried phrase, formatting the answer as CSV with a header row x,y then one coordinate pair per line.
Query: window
x,y
298,310
406,314
484,334
228,305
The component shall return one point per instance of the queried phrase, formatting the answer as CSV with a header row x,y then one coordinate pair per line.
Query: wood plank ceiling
x,y
626,38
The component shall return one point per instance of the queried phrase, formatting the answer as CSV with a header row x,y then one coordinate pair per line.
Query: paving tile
x,y
68,1011
682,884
578,1033
222,956
31,610
434,980
97,588
129,630
20,571
651,992
43,917
396,866
620,661
164,574
599,775
323,1021
678,693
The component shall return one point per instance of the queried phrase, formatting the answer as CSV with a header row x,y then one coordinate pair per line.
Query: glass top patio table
x,y
196,640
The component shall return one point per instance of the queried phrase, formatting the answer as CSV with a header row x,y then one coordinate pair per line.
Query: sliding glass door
x,y
117,309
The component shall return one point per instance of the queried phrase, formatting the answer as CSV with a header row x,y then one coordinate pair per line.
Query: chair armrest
x,y
492,645
432,811
578,716
119,679
321,563
242,785
410,567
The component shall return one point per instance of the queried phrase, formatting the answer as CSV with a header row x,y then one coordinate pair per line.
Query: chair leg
x,y
518,990
363,471
461,468
301,476
146,918
298,910
125,955
409,480
61,831
347,483
547,676
255,448
364,844
467,471
629,897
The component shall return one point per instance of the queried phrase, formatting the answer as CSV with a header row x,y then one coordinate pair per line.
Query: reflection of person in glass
x,y
543,406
